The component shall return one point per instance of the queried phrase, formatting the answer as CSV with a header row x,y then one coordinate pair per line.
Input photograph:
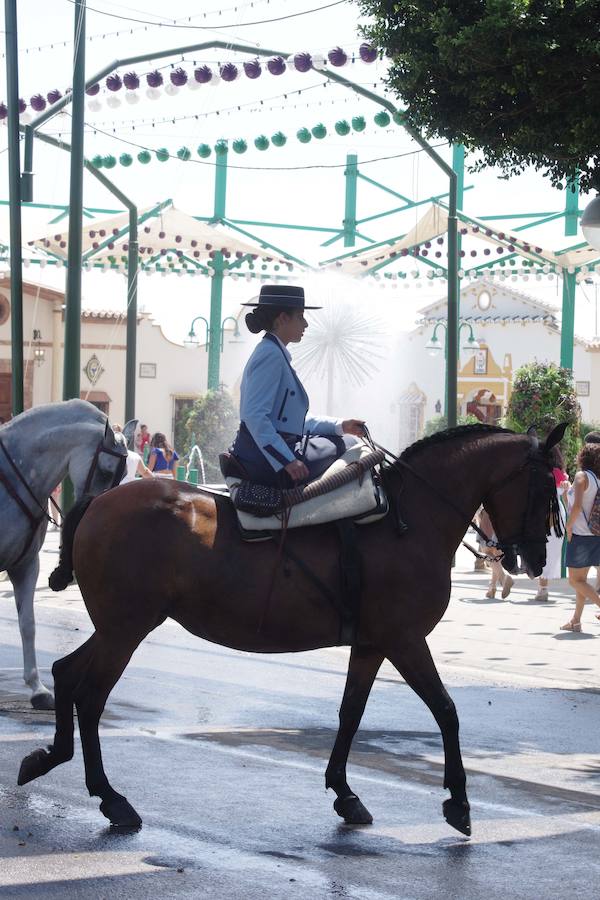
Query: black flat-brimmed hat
x,y
286,295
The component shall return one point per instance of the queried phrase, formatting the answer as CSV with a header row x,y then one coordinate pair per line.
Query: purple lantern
x,y
114,83
147,229
115,231
303,62
367,53
53,96
178,238
57,237
252,69
154,79
161,235
337,57
93,90
193,243
22,105
38,102
131,81
3,111
276,65
102,232
203,74
229,72
92,234
179,77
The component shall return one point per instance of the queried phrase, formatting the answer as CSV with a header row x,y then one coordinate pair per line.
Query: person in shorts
x,y
583,547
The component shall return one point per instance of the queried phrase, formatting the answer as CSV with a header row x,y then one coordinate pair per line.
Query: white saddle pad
x,y
355,500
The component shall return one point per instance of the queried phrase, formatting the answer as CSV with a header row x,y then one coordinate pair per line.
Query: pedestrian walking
x,y
162,457
554,543
583,531
497,574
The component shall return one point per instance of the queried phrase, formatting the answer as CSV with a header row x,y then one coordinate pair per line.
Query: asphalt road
x,y
223,755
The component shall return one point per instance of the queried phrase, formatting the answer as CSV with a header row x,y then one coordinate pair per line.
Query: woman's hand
x,y
569,530
354,426
297,470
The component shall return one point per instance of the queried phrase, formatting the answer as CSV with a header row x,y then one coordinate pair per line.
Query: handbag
x,y
593,522
261,500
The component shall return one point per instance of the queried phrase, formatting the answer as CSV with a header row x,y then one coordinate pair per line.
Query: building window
x,y
411,408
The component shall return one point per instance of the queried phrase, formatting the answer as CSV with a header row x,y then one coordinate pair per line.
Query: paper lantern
x,y
92,90
252,69
358,123
193,84
302,62
178,77
154,79
221,148
152,93
337,57
125,159
399,117
278,139
304,135
113,102
132,98
38,103
276,65
319,131
382,118
203,74
144,156
97,163
53,96
318,61
114,83
162,154
240,146
342,127
367,53
203,151
131,81
171,89
109,162
229,72
184,153
261,142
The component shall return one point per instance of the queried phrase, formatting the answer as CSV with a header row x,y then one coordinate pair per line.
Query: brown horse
x,y
153,549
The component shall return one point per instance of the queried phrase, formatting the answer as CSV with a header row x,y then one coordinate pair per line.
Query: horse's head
x,y
524,507
101,464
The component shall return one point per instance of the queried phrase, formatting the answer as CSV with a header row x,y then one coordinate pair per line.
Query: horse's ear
x,y
531,431
109,435
129,430
556,436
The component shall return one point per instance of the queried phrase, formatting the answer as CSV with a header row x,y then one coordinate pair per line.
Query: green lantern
x,y
382,118
342,127
203,151
358,123
319,131
221,148
184,153
279,139
97,162
109,162
399,117
240,146
125,159
304,136
162,155
144,156
261,142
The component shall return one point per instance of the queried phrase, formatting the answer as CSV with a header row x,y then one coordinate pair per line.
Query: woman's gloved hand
x,y
354,426
297,470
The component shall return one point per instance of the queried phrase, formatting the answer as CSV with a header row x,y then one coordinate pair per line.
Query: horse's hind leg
x,y
413,661
362,670
24,579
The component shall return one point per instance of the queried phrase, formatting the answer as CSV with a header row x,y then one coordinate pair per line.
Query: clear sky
x,y
298,183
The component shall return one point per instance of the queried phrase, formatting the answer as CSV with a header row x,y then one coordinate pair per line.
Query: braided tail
x,y
62,576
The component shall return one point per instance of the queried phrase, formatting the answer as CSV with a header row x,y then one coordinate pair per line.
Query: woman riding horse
x,y
277,442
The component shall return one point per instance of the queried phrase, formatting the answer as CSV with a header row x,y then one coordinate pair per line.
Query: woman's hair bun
x,y
252,323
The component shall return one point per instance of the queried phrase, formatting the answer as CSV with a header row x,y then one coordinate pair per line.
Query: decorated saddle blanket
x,y
349,489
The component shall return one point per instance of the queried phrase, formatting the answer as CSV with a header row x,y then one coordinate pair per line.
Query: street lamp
x,y
434,344
236,329
191,341
590,223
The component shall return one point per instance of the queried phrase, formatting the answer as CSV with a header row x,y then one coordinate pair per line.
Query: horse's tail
x,y
62,576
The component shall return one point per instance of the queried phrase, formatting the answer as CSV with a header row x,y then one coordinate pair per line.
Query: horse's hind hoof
x,y
458,815
352,811
121,814
43,700
35,764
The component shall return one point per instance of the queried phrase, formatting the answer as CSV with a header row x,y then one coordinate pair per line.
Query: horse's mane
x,y
461,431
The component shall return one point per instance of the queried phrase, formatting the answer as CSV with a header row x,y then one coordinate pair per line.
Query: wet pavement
x,y
223,755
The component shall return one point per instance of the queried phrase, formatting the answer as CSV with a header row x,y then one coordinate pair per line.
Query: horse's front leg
x,y
24,578
414,662
362,670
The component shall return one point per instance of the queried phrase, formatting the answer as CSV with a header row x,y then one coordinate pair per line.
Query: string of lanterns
x,y
201,75
304,135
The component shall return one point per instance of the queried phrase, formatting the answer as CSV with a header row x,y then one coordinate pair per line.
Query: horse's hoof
x,y
43,700
352,811
458,815
36,764
121,814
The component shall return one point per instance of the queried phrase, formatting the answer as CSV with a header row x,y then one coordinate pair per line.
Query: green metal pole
x,y
71,379
132,306
567,331
216,286
351,176
454,248
14,193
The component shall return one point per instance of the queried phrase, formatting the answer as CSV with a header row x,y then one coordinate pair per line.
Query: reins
x,y
22,480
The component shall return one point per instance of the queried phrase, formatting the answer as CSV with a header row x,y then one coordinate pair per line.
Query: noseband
x,y
119,471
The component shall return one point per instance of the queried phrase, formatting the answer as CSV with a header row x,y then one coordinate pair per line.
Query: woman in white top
x,y
583,547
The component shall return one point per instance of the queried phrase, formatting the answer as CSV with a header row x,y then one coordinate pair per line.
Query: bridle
x,y
537,463
119,471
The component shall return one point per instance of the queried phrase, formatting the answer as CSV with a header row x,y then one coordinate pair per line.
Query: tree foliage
x,y
544,395
518,80
440,423
211,424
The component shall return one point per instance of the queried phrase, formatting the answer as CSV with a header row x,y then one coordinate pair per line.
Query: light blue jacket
x,y
273,400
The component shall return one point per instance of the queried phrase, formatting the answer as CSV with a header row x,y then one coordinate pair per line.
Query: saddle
x,y
349,489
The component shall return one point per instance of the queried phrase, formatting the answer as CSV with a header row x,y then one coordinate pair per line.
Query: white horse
x,y
38,449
